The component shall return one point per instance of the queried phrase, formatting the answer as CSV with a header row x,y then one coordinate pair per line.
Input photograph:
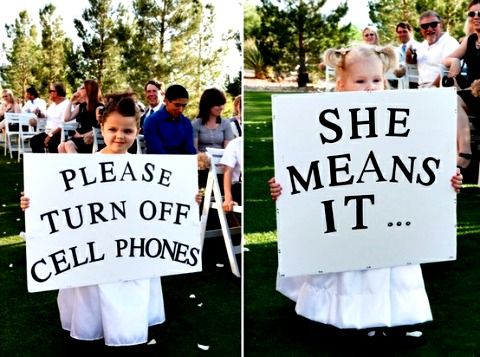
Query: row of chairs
x,y
18,132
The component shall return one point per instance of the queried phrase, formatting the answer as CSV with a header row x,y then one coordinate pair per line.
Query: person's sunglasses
x,y
432,24
369,35
473,13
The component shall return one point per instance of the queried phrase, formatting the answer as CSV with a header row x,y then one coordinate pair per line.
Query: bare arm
x,y
228,201
452,61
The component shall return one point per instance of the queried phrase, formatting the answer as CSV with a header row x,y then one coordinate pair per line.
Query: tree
x,y
387,13
23,56
99,52
156,43
293,33
251,20
52,50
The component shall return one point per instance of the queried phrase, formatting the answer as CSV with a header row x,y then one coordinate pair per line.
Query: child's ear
x,y
340,85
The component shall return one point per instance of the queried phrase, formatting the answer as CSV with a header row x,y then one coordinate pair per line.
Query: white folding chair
x,y
412,74
12,135
98,141
15,136
213,200
25,136
66,127
141,145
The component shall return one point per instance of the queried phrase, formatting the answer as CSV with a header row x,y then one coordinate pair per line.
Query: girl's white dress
x,y
383,297
119,312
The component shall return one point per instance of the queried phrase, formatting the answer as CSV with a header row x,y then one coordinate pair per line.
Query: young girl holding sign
x,y
119,312
374,298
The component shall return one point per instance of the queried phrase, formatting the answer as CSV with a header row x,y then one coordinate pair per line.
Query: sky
x,y
229,16
357,11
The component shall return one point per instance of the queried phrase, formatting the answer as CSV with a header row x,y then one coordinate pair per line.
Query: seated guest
x,y
236,120
168,131
431,52
33,102
467,102
209,130
232,160
54,121
9,105
370,36
87,99
154,94
407,41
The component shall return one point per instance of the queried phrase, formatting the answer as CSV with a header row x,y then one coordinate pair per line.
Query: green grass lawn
x,y
30,325
271,325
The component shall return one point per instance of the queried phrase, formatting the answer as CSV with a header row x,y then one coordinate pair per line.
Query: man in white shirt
x,y
436,46
33,103
54,121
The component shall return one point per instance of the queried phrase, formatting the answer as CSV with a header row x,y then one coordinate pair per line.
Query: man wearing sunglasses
x,y
431,52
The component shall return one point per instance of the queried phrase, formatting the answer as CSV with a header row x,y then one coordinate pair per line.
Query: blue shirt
x,y
166,135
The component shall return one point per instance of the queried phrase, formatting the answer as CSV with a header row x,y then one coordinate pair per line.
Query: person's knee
x,y
70,147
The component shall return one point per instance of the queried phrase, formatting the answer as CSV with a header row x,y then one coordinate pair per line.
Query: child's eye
x,y
128,131
359,81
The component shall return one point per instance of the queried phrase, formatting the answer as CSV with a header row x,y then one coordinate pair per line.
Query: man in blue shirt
x,y
168,131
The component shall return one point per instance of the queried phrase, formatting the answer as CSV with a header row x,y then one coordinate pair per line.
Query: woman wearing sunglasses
x,y
370,36
468,103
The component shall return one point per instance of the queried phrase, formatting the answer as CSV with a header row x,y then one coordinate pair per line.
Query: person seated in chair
x,y
54,116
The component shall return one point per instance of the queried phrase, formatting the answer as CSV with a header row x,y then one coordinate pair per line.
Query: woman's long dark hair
x,y
210,98
94,95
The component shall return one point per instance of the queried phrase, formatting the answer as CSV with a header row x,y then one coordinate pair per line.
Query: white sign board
x,y
105,218
365,179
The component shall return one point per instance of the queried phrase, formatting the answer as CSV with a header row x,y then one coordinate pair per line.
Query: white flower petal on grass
x,y
414,334
245,249
192,296
18,219
10,266
152,342
203,347
200,305
4,205
220,265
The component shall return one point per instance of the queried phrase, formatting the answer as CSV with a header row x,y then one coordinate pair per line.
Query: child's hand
x,y
198,197
456,181
24,202
275,188
228,205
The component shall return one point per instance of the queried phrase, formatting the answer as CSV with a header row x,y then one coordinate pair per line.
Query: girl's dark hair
x,y
94,95
123,104
210,98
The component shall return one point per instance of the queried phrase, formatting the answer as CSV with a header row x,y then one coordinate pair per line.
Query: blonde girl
x,y
363,299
